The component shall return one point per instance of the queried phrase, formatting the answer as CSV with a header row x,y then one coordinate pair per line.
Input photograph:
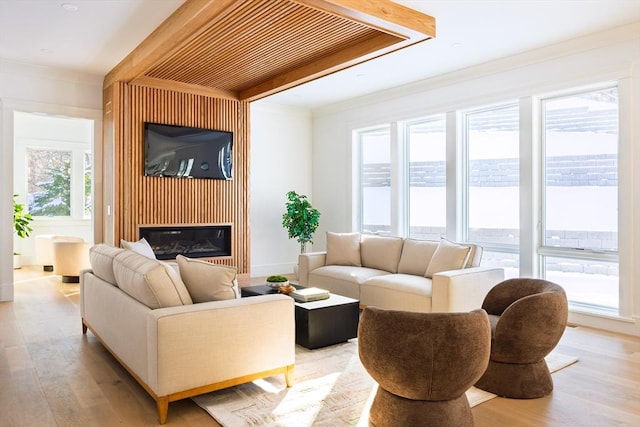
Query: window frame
x,y
77,196
464,195
405,166
544,251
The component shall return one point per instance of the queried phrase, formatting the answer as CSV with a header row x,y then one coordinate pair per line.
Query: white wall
x,y
280,162
36,89
607,56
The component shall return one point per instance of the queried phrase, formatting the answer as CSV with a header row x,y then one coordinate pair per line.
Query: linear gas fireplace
x,y
197,241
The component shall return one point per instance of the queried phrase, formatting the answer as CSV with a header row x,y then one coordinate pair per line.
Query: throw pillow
x,y
343,249
206,281
149,281
416,255
380,252
101,257
447,256
141,246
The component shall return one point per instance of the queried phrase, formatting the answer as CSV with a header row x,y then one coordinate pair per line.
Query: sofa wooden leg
x,y
84,328
163,409
288,375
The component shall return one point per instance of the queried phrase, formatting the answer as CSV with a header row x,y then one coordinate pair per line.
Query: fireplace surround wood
x,y
193,241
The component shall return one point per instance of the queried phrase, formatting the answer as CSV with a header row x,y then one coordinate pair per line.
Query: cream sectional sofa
x,y
400,273
144,314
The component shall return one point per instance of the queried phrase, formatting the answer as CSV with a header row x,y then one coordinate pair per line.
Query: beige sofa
x,y
400,274
144,314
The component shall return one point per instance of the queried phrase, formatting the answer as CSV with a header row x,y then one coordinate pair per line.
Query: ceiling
x,y
93,36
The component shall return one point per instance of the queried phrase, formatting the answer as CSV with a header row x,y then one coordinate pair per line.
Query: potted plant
x,y
21,225
277,281
301,219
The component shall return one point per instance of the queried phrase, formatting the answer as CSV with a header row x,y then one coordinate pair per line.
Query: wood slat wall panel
x,y
173,201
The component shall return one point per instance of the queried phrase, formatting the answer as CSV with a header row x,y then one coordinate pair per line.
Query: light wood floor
x,y
52,375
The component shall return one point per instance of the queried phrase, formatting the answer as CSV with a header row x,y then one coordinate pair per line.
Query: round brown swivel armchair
x,y
528,318
423,363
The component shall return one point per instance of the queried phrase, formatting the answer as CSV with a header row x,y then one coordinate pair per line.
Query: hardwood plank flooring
x,y
53,375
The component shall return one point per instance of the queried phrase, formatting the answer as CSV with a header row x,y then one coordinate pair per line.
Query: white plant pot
x,y
277,285
16,261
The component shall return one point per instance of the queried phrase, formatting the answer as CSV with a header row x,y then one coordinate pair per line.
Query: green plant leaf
x,y
300,218
21,219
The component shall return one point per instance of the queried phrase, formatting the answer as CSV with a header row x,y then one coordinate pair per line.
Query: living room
x,y
318,142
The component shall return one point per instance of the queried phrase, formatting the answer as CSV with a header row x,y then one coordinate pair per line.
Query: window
x,y
492,203
88,191
426,148
579,238
375,179
49,182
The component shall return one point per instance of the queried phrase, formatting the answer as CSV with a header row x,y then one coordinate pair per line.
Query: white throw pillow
x,y
447,256
141,246
343,249
416,255
101,257
380,252
206,281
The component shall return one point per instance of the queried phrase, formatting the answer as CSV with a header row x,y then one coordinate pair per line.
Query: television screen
x,y
187,152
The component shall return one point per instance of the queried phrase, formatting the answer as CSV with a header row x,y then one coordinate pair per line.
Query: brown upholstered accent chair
x,y
528,318
423,363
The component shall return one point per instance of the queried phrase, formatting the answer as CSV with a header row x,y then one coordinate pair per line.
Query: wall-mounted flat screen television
x,y
187,152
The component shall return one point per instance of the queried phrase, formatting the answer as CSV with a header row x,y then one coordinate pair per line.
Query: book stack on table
x,y
309,294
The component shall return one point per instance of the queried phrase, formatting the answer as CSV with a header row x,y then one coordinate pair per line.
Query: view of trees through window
x,y
49,182
88,173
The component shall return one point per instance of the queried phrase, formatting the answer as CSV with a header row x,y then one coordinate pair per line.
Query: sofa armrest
x,y
463,290
308,262
206,343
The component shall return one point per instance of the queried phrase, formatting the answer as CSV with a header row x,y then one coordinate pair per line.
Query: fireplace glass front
x,y
191,241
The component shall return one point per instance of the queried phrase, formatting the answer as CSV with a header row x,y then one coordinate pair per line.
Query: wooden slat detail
x,y
392,18
184,87
246,47
162,201
187,20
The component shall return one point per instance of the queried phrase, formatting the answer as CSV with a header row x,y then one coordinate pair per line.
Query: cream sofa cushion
x,y
343,249
448,256
154,284
380,252
416,255
101,258
206,281
405,292
141,246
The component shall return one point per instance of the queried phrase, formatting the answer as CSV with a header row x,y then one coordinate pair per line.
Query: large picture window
x,y
375,179
580,195
427,180
534,182
493,184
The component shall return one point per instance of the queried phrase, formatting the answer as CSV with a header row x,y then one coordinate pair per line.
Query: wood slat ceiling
x,y
249,49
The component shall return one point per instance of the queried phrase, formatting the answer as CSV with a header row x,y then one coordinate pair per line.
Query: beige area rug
x,y
331,388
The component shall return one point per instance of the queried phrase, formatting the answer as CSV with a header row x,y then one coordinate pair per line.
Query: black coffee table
x,y
319,323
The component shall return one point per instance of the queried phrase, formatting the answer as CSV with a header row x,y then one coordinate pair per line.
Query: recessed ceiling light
x,y
45,50
456,44
69,7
